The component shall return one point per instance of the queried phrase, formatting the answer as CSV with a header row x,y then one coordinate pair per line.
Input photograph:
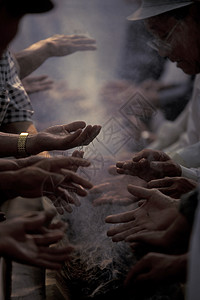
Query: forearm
x,y
32,57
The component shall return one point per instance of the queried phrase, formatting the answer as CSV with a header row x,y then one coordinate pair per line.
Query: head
x,y
176,33
12,11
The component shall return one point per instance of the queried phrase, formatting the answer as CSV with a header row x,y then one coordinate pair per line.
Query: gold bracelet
x,y
21,144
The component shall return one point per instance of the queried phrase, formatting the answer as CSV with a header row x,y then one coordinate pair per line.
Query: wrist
x,y
33,147
49,48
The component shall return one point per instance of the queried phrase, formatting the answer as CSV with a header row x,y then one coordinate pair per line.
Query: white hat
x,y
151,8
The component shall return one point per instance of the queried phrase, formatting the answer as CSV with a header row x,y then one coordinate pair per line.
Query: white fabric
x,y
190,173
185,130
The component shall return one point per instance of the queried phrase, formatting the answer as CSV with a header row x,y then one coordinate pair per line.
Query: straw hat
x,y
151,8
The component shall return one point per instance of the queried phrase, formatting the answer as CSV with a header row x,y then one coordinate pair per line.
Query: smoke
x,y
99,265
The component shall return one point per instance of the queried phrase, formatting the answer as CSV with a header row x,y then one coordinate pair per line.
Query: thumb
x,y
139,192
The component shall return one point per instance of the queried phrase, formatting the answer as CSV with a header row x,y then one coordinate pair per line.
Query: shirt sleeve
x,y
19,108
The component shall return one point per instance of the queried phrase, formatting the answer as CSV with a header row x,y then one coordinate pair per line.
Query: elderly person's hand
x,y
61,45
172,240
149,164
156,212
173,186
62,137
27,239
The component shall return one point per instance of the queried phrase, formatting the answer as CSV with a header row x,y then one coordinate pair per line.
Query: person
x,y
11,13
16,109
168,23
58,45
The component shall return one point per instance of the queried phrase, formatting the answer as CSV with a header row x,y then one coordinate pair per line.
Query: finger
x,y
74,126
78,153
69,199
74,189
150,155
59,225
125,165
101,188
112,200
121,218
95,131
120,228
67,207
140,192
49,238
163,182
120,171
84,40
71,176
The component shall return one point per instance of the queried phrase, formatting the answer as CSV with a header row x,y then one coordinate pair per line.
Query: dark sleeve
x,y
189,204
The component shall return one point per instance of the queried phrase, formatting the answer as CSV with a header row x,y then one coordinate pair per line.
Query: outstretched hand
x,y
149,164
61,45
62,137
156,212
173,186
26,240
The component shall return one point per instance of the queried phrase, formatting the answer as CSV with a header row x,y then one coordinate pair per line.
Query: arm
x,y
32,57
59,137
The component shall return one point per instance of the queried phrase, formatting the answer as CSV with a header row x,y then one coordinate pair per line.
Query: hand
x,y
35,84
173,240
114,191
154,269
155,213
22,240
149,164
63,194
27,182
62,137
61,45
173,186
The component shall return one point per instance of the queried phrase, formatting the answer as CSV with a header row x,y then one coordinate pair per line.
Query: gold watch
x,y
21,144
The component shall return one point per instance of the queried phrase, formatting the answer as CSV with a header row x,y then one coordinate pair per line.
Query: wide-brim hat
x,y
28,6
151,8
